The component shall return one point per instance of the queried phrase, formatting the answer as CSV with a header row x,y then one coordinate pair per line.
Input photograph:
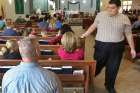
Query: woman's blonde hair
x,y
12,45
69,41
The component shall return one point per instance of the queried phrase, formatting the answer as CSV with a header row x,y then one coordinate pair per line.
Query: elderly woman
x,y
28,76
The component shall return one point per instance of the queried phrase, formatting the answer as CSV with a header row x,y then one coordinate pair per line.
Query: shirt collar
x,y
28,64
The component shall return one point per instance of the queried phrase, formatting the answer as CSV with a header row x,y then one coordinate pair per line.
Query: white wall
x,y
84,7
104,4
9,9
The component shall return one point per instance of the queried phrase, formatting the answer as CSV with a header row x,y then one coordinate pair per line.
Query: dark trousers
x,y
108,55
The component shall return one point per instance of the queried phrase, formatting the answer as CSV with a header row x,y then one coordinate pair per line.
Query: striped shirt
x,y
30,78
112,28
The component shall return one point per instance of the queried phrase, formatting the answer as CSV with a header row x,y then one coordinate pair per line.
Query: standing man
x,y
112,27
28,76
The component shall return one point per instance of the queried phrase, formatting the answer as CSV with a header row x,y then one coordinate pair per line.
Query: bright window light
x,y
84,1
73,1
124,2
10,1
25,1
62,1
101,4
129,2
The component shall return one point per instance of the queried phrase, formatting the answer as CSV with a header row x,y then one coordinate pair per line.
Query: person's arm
x,y
129,37
91,29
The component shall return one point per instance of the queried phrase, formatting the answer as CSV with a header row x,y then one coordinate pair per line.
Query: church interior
x,y
58,27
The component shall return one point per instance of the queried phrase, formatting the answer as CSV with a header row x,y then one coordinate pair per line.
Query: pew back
x,y
66,79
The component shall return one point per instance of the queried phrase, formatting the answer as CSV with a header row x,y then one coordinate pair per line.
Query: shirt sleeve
x,y
96,21
128,26
3,85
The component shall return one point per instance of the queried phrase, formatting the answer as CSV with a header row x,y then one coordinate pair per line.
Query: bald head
x,y
29,48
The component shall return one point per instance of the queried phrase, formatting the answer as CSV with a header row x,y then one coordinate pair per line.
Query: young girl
x,y
71,49
13,52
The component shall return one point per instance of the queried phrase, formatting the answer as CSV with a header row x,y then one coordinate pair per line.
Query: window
x,y
127,4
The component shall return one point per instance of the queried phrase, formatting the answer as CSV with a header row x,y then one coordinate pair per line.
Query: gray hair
x,y
29,47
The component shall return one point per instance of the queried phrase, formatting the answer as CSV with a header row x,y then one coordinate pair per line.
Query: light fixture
x,y
10,1
73,1
84,1
62,1
101,4
25,1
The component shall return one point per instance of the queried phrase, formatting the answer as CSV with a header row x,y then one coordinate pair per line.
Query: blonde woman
x,y
12,47
70,49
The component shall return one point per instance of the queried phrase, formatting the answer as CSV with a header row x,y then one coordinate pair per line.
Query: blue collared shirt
x,y
30,78
9,32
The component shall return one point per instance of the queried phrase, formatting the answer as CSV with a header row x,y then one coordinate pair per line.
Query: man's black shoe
x,y
110,90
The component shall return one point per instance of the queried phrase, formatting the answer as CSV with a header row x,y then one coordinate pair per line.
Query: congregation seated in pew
x,y
10,51
71,49
32,78
9,30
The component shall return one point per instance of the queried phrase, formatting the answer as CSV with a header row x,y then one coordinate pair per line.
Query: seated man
x,y
136,24
28,76
9,31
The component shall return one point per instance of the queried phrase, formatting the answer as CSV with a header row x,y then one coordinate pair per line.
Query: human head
x,y
69,41
0,17
113,7
40,20
44,34
9,23
59,18
27,16
29,49
12,45
65,28
4,50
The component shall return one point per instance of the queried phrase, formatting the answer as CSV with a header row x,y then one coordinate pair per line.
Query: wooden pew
x,y
67,79
20,37
53,48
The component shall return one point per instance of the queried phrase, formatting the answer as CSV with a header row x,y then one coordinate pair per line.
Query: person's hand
x,y
82,36
133,53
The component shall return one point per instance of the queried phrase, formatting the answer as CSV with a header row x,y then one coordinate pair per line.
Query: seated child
x,y
71,49
13,52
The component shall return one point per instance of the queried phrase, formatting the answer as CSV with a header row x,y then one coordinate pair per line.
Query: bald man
x,y
28,76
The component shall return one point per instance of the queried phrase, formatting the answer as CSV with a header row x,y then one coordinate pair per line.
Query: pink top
x,y
78,54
